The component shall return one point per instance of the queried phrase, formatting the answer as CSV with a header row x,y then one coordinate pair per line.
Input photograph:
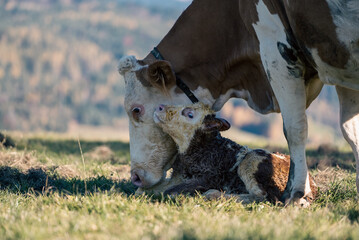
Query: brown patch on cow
x,y
140,75
230,60
157,74
313,27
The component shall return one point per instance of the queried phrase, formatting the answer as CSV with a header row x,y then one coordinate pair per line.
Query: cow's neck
x,y
211,48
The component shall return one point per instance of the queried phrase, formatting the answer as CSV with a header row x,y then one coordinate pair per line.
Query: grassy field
x,y
50,191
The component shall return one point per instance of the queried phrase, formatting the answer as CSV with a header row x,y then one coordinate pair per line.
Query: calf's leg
x,y
349,121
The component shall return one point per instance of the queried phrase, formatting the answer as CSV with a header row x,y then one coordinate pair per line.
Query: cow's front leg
x,y
285,73
349,121
291,96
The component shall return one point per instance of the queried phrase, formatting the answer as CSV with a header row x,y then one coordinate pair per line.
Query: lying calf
x,y
209,163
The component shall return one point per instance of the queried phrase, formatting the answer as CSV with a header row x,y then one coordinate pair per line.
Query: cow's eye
x,y
190,115
137,111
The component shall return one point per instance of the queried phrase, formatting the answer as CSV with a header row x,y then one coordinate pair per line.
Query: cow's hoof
x,y
126,63
212,194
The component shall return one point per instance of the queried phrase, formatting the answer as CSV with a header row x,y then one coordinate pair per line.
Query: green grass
x,y
47,193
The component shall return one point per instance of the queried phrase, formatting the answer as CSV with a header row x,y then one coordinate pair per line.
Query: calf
x,y
209,163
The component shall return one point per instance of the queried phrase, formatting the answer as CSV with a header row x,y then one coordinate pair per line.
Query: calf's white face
x,y
182,122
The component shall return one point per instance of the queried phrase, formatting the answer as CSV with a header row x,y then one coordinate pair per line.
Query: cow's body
x,y
274,54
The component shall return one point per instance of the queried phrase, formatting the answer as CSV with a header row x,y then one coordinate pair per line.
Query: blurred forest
x,y
58,65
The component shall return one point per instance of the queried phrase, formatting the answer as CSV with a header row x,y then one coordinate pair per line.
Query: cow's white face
x,y
151,149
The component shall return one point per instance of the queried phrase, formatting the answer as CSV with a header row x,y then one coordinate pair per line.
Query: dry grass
x,y
46,194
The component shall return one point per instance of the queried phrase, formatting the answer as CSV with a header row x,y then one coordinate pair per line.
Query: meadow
x,y
60,188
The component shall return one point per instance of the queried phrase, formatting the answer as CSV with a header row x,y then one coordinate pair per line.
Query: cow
x,y
275,54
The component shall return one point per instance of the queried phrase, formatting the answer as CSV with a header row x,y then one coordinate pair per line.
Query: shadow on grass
x,y
38,180
70,146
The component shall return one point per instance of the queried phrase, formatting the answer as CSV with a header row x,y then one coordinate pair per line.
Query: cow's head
x,y
151,149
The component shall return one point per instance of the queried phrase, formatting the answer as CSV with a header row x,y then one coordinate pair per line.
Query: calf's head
x,y
182,122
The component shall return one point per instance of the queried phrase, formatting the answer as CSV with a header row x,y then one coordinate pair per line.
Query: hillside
x,y
58,65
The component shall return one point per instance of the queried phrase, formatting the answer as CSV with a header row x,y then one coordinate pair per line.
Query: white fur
x,y
145,151
346,17
349,121
289,91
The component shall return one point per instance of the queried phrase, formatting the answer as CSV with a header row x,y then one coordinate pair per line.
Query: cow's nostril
x,y
136,180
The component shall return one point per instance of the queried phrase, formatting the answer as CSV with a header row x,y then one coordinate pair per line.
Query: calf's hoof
x,y
139,191
212,194
297,199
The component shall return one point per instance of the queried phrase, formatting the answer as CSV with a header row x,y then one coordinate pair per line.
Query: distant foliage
x,y
59,59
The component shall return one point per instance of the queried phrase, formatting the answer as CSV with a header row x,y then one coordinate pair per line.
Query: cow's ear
x,y
211,124
158,74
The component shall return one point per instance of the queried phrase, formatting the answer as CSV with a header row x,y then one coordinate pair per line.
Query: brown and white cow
x,y
275,54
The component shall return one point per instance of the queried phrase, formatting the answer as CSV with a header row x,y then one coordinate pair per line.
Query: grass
x,y
47,193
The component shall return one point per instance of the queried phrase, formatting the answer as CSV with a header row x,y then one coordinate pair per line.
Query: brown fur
x,y
272,174
231,60
208,162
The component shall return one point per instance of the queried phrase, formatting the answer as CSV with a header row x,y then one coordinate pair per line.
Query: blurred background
x,y
58,70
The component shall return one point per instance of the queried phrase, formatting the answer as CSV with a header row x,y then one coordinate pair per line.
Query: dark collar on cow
x,y
179,81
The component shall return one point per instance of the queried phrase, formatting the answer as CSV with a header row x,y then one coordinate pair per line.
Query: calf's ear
x,y
158,74
215,124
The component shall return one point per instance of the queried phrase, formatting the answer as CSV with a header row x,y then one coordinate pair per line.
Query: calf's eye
x,y
188,112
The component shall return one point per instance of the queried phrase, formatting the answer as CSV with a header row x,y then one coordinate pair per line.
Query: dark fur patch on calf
x,y
208,160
